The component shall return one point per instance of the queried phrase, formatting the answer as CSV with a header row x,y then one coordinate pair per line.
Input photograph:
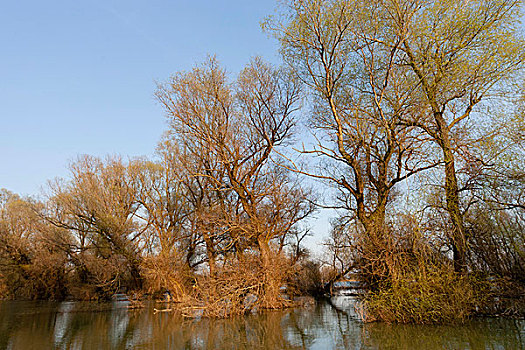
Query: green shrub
x,y
434,295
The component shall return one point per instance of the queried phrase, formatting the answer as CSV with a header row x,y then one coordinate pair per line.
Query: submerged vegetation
x,y
417,114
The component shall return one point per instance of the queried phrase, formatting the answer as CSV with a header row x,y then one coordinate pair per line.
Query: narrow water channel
x,y
78,325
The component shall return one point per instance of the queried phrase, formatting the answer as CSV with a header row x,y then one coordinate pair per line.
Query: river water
x,y
80,325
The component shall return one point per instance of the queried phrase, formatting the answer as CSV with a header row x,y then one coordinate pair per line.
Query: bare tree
x,y
99,206
244,202
233,130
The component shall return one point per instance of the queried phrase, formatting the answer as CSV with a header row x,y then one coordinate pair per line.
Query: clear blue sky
x,y
78,77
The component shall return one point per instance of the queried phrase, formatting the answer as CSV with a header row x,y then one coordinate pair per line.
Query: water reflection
x,y
74,325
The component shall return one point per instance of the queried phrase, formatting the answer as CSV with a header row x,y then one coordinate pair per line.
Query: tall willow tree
x,y
99,207
229,132
361,98
461,53
387,73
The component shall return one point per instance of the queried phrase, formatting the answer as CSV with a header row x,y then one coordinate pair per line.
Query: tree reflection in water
x,y
76,325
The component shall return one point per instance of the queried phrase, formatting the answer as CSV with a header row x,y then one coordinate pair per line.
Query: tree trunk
x,y
459,245
210,253
458,239
374,266
136,277
272,279
264,249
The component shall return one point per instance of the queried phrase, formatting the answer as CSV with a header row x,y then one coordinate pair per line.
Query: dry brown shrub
x,y
411,282
306,279
505,297
166,272
49,275
242,285
98,279
386,256
41,276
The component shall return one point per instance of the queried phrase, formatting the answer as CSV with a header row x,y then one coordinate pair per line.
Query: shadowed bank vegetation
x,y
415,111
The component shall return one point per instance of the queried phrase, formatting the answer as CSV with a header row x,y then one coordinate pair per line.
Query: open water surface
x,y
80,325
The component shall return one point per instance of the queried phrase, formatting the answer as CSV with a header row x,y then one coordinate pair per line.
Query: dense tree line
x,y
416,94
212,217
416,109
